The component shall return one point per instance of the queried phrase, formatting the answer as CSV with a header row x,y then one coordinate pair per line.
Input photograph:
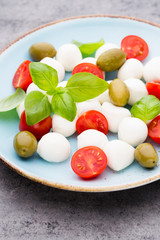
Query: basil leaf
x,y
44,76
37,107
12,101
84,86
147,108
88,48
64,105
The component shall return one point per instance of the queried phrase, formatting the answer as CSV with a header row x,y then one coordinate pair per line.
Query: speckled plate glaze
x,y
85,29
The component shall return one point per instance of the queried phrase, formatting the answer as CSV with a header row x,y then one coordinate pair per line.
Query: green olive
x,y
25,144
111,60
118,93
146,155
40,50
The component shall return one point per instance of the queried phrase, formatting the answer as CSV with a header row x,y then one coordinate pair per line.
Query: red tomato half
x,y
89,162
39,129
134,47
22,77
92,120
154,129
88,67
153,88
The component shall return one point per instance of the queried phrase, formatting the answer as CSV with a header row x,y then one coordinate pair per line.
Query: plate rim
x,y
64,186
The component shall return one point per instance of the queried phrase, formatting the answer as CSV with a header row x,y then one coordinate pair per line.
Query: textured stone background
x,y
29,210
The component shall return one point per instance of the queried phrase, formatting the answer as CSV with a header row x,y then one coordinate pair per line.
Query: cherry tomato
x,y
88,67
39,129
154,129
134,47
92,120
153,88
22,77
89,162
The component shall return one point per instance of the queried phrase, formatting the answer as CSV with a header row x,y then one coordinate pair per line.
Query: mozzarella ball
x,y
34,87
53,147
137,90
114,115
89,60
104,48
151,70
62,84
119,154
92,137
85,106
56,65
20,108
69,56
63,126
133,131
104,97
132,68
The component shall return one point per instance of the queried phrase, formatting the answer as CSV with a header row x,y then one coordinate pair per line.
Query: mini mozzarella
x,y
137,90
54,147
56,65
133,131
20,108
151,70
34,87
104,48
114,115
132,68
69,56
119,154
92,137
62,84
63,126
104,97
85,106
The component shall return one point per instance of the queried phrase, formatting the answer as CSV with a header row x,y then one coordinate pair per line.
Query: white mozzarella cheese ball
x,y
104,97
114,115
132,68
20,108
119,154
89,60
62,84
53,147
151,70
69,55
137,90
85,106
132,130
104,48
63,126
56,65
34,87
92,137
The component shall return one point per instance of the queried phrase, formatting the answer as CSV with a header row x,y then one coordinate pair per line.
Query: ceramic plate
x,y
85,29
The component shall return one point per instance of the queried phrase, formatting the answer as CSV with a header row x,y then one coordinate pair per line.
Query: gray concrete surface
x,y
29,210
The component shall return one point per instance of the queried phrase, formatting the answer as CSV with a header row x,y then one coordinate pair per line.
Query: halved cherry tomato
x,y
154,129
92,120
153,88
88,67
39,129
89,162
134,47
22,77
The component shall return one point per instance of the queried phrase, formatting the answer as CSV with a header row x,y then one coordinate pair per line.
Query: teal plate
x,y
85,29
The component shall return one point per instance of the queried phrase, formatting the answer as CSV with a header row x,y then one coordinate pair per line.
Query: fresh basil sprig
x,y
147,108
88,49
12,101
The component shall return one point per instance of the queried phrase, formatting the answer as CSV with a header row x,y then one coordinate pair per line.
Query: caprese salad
x,y
51,110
